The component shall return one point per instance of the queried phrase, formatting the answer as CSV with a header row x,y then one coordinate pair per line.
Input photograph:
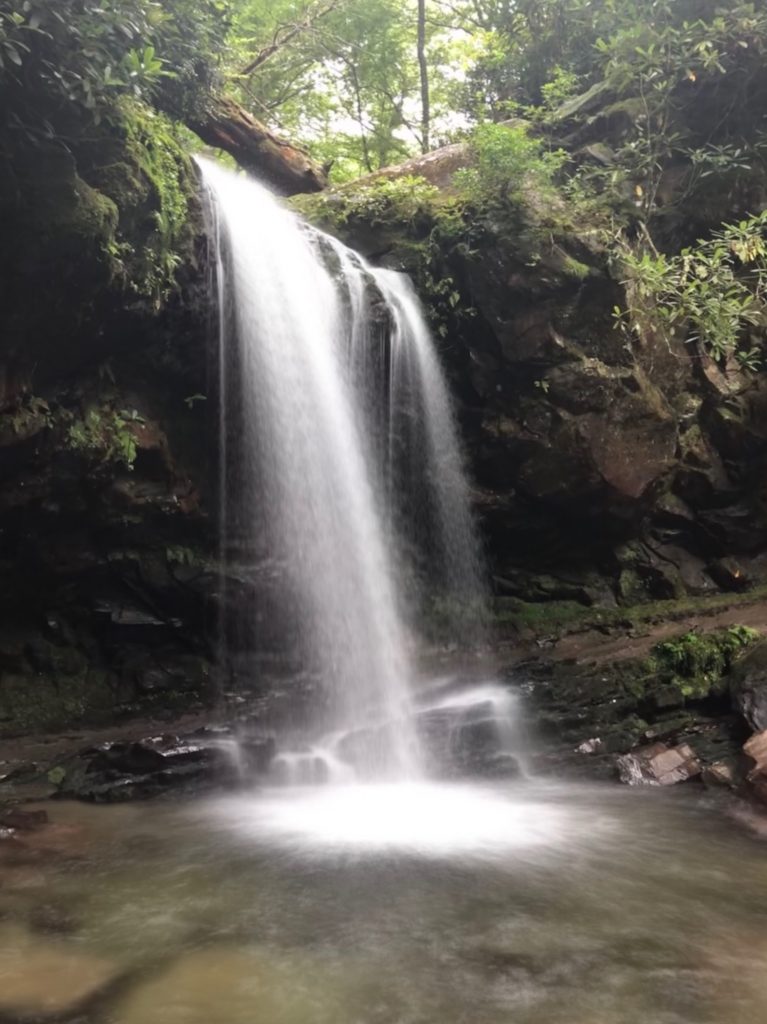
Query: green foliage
x,y
64,64
106,437
57,775
713,292
153,144
400,201
32,413
177,554
665,62
695,662
562,86
340,76
508,165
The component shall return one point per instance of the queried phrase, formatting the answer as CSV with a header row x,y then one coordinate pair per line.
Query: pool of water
x,y
435,904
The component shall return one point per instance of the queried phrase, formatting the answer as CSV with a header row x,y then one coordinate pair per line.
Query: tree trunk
x,y
424,69
277,163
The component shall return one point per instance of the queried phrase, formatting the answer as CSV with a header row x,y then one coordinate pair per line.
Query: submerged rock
x,y
17,819
42,979
237,985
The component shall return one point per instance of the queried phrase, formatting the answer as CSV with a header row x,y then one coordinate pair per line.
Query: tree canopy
x,y
361,83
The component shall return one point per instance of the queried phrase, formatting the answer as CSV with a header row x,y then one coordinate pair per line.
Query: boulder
x,y
748,686
659,765
755,750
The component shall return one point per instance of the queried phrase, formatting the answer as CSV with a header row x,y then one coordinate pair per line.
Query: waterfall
x,y
343,495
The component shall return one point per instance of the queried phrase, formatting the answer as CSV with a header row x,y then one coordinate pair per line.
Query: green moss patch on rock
x,y
145,170
588,713
693,666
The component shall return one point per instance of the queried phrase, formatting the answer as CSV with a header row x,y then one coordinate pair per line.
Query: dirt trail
x,y
601,644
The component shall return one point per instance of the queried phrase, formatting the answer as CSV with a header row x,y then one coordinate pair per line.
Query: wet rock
x,y
18,819
729,574
463,737
144,756
748,685
117,772
658,765
256,754
726,773
591,746
755,749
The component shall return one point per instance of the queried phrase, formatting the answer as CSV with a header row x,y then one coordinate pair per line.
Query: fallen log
x,y
274,161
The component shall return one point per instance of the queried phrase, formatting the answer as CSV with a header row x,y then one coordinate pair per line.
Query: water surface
x,y
449,904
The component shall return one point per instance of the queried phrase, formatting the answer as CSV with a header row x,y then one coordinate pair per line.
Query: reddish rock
x,y
756,749
659,765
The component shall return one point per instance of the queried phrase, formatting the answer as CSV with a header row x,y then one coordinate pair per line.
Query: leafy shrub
x,y
399,200
713,292
105,437
507,163
63,62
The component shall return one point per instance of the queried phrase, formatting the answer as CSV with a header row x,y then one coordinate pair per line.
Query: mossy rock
x,y
36,701
694,666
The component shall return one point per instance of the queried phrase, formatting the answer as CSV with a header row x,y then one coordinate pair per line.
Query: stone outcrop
x,y
749,685
105,543
664,713
612,466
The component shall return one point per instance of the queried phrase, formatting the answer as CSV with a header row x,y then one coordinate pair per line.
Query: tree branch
x,y
284,167
290,32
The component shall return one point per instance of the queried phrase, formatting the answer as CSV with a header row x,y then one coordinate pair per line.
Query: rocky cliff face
x,y
613,466
103,454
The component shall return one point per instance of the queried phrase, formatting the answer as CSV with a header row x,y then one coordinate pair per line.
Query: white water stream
x,y
341,471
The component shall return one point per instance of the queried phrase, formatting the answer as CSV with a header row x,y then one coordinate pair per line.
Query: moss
x,y
631,109
574,268
545,615
93,217
403,202
37,701
638,700
122,182
692,666
572,617
149,178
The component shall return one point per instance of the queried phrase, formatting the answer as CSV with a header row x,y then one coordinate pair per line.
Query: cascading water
x,y
341,471
409,412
